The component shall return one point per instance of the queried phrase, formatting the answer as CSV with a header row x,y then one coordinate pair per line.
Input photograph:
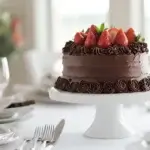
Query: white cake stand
x,y
108,122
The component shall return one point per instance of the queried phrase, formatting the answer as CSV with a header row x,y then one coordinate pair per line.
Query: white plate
x,y
11,139
17,114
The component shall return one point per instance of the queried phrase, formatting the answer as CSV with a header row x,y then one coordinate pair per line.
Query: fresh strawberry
x,y
84,34
113,32
121,38
131,35
90,40
93,28
79,38
104,40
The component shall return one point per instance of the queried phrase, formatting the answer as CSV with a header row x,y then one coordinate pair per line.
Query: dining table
x,y
78,119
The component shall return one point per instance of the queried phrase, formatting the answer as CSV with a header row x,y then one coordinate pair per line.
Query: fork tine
x,y
36,132
53,133
50,132
45,132
41,132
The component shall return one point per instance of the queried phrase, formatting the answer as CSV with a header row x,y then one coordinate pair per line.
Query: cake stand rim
x,y
85,98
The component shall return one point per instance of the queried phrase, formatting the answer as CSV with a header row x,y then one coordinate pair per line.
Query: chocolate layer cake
x,y
105,61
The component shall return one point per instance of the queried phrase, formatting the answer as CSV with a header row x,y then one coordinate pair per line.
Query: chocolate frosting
x,y
145,84
72,48
108,87
118,86
74,87
106,67
121,86
134,85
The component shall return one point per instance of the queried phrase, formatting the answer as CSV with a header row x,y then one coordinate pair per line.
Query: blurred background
x,y
48,24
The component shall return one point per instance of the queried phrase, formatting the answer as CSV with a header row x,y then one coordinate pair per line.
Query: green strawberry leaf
x,y
139,38
142,39
100,28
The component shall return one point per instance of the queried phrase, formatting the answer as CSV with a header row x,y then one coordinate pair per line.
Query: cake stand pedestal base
x,y
109,123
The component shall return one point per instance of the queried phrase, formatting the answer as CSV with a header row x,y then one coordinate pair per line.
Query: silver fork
x,y
52,134
37,134
48,135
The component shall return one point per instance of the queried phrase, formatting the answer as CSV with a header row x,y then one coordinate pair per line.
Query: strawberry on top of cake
x,y
105,38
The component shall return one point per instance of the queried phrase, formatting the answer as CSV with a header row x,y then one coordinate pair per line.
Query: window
x,y
70,16
147,20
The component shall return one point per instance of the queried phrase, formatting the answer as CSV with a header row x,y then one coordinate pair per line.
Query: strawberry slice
x,y
113,32
121,38
90,40
104,40
131,35
79,38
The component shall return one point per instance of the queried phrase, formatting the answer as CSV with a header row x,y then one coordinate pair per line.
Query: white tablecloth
x,y
78,119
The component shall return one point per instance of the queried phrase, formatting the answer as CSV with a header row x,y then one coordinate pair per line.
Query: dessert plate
x,y
14,114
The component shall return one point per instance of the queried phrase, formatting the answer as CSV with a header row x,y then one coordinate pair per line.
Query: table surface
x,y
78,119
